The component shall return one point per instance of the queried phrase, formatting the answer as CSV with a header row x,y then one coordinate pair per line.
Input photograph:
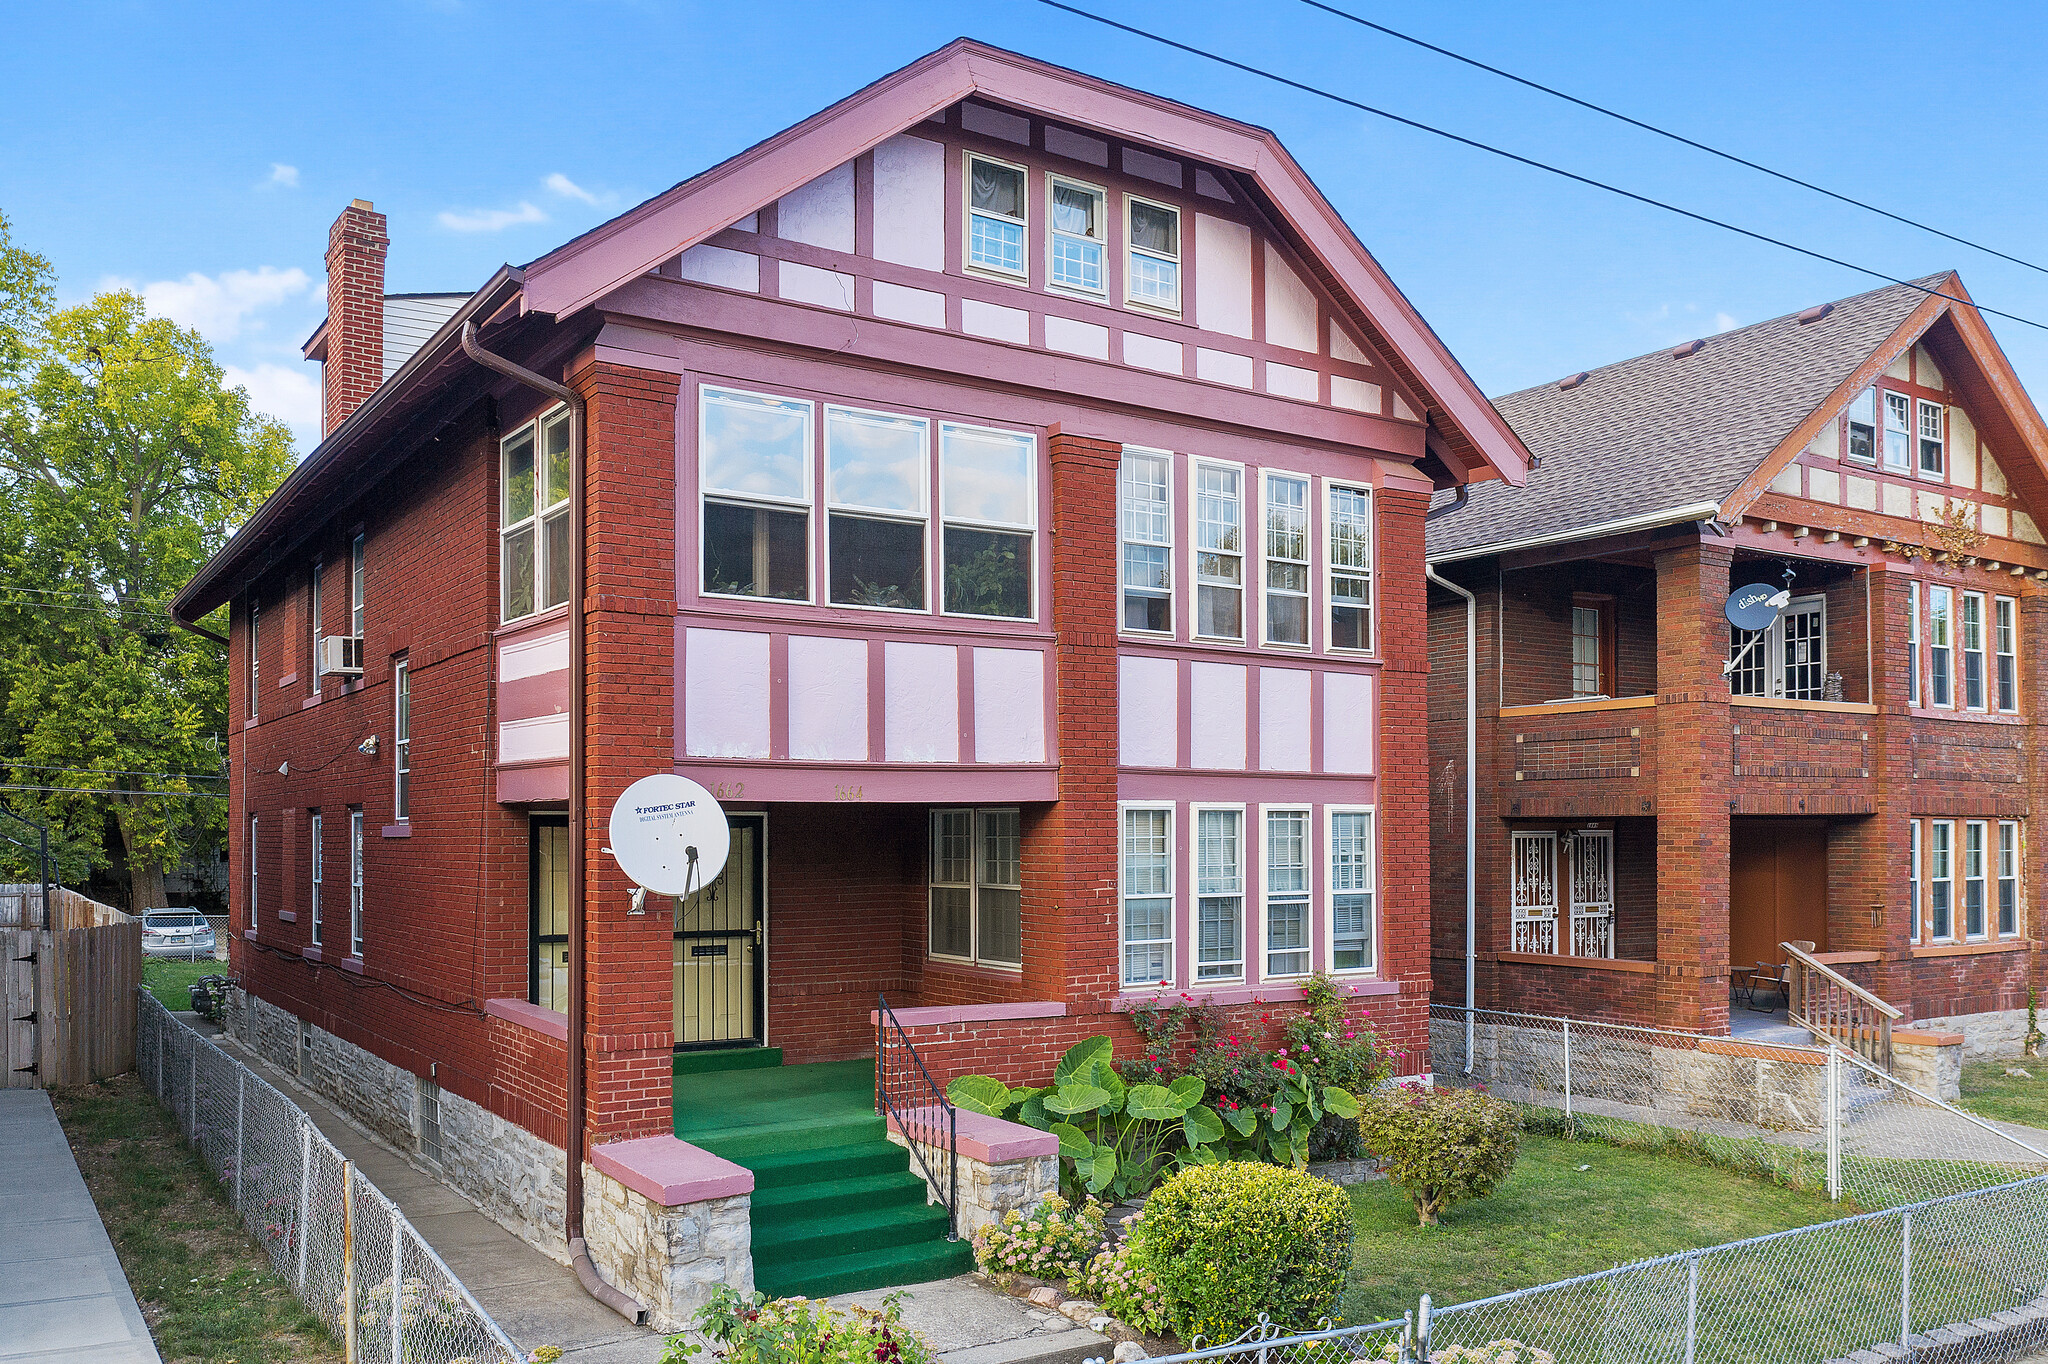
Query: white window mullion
x,y
1145,489
1285,916
1353,890
1147,895
1219,893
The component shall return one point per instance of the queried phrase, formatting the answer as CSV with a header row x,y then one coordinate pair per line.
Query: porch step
x,y
919,1263
798,1241
826,1164
763,1140
824,1197
725,1059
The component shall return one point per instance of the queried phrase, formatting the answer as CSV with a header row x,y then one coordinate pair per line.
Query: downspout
x,y
1471,797
579,1253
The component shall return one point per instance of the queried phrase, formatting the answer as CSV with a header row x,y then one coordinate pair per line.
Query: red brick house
x,y
1651,824
1003,490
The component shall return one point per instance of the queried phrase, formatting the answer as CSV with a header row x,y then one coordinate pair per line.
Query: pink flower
x,y
1350,1035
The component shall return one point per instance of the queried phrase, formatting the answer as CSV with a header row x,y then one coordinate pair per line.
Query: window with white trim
x,y
977,892
255,857
357,585
1353,886
1973,880
355,880
1148,895
1286,560
536,566
996,216
1075,249
754,477
1219,551
988,501
1219,894
1862,424
1898,432
1288,893
1913,644
313,900
1350,568
255,643
1931,461
1589,632
1534,875
1915,898
877,486
2005,643
1973,650
1941,885
1152,265
313,615
1788,658
1940,646
401,739
2008,878
1145,487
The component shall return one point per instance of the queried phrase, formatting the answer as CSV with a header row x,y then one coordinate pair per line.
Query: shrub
x,y
1226,1243
748,1329
1443,1146
1055,1241
1125,1289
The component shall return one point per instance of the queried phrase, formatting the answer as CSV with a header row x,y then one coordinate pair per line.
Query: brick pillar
x,y
630,679
1694,767
1070,849
354,367
2033,681
1403,766
1878,870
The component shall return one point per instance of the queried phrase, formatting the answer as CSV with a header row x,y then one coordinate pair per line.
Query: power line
x,y
113,771
111,791
1667,133
1531,162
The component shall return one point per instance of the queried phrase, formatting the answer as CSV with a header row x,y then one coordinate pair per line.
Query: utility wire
x,y
1667,133
111,791
1531,162
113,771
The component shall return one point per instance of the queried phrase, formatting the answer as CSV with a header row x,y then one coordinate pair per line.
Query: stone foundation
x,y
667,1257
1004,1167
1999,1034
1931,1062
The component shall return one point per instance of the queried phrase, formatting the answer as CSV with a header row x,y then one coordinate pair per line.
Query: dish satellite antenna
x,y
1753,608
669,836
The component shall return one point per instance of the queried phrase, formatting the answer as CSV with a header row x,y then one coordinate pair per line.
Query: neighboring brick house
x,y
1865,778
1004,491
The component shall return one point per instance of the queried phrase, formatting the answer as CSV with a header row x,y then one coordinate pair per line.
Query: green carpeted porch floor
x,y
836,1206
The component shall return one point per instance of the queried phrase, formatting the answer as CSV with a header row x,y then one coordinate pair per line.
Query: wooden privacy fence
x,y
70,989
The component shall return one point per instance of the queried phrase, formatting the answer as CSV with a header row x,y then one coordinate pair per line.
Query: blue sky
x,y
200,151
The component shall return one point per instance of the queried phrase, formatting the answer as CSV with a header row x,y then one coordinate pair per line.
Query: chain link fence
x,y
346,1249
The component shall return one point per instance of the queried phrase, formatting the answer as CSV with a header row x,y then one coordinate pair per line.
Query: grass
x,y
207,1291
1990,1093
1569,1208
169,979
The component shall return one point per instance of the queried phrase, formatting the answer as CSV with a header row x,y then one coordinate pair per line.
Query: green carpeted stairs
x,y
836,1206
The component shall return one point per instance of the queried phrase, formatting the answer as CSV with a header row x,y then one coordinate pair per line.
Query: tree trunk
x,y
145,872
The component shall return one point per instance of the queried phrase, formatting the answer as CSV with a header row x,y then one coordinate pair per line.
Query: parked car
x,y
182,933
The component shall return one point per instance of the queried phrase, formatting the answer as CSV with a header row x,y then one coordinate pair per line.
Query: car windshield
x,y
174,919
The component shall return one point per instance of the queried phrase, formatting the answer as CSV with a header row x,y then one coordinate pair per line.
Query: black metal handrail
x,y
906,1094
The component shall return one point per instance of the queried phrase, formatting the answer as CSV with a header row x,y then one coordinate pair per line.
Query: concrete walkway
x,y
63,1295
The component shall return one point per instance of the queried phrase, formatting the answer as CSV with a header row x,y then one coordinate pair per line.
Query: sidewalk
x,y
63,1296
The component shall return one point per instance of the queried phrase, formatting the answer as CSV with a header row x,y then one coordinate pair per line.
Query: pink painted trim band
x,y
400,830
976,1013
523,1015
991,1141
1248,994
672,1172
289,916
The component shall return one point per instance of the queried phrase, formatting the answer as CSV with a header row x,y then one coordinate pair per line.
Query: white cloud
x,y
561,184
290,393
1725,323
281,174
490,219
218,306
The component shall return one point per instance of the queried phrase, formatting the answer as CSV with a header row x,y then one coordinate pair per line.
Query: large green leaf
x,y
1283,1113
1081,1056
1188,1090
1201,1126
1102,1074
980,1094
1074,1143
1243,1121
1099,1171
1340,1102
1196,1155
1032,1111
1153,1103
1076,1097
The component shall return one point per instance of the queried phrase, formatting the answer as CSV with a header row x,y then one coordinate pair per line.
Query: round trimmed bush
x,y
1443,1146
1228,1242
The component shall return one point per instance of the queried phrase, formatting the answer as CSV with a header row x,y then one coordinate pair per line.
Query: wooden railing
x,y
1836,1009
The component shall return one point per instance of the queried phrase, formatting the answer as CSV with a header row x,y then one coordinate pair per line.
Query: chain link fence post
x,y
1568,1074
305,1197
1905,1278
397,1285
1692,1309
241,1105
348,1261
1834,1124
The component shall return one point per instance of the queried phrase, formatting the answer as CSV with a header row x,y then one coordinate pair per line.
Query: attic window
x,y
1568,384
1815,313
1680,352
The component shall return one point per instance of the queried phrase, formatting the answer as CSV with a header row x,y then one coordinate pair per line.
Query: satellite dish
x,y
669,835
1755,607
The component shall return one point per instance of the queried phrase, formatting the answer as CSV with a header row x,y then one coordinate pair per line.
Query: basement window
x,y
429,1107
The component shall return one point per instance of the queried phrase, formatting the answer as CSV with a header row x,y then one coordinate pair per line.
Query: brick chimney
x,y
354,367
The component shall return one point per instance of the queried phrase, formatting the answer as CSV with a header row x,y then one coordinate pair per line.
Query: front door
x,y
1777,887
718,947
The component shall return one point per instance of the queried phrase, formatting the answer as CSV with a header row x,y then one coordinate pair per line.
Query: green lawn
x,y
168,978
1990,1093
1554,1220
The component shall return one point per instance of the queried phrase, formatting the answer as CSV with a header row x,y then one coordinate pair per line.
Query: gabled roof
x,y
580,272
1663,438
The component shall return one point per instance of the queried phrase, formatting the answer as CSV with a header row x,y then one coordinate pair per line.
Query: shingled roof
x,y
1659,433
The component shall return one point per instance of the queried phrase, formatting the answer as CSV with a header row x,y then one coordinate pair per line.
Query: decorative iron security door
x,y
720,952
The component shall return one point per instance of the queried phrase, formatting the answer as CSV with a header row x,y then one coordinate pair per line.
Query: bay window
x,y
1219,894
877,478
995,216
1350,568
1287,892
535,554
1941,887
1898,432
1973,879
1286,559
988,496
754,471
1152,266
1352,888
2005,643
1931,462
1219,551
977,892
1973,650
1940,646
1078,230
1145,486
2008,878
1148,895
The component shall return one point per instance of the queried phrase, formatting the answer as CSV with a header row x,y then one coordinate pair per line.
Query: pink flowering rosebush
x,y
1442,1146
1125,1288
1056,1240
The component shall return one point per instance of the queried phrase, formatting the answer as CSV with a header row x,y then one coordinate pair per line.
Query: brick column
x,y
1070,849
1870,860
1403,764
630,680
1694,767
2033,697
354,368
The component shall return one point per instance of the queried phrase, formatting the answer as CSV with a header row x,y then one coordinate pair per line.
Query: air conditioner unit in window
x,y
341,655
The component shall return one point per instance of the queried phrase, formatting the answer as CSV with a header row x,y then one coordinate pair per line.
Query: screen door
x,y
719,936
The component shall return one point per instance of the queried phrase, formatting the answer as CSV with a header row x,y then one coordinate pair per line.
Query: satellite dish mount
x,y
669,836
1753,608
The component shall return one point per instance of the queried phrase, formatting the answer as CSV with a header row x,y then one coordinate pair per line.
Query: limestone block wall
x,y
990,1188
667,1258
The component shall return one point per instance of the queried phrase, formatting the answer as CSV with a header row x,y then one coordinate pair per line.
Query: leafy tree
x,y
125,461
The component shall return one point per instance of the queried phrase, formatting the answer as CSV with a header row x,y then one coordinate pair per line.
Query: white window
x,y
355,881
1587,623
877,487
1913,899
977,890
401,739
2005,640
1287,861
356,586
1913,644
1940,646
313,838
255,655
1535,892
1789,658
988,497
754,473
1078,229
2008,878
1353,883
1973,879
313,615
1148,895
535,548
1592,893
1152,268
1286,559
1145,484
1862,417
1350,568
1973,650
255,856
1930,440
1219,894
1898,432
995,216
1941,886
1219,551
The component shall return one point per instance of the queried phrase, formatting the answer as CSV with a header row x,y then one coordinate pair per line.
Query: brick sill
x,y
1273,992
287,916
1578,707
402,829
934,1015
1783,703
1645,968
1968,717
288,680
1847,958
1972,949
521,1014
